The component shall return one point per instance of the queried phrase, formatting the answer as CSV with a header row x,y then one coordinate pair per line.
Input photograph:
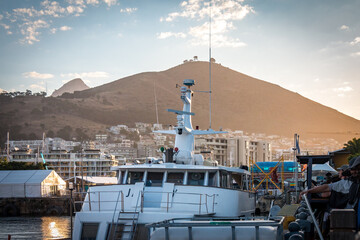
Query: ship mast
x,y
210,64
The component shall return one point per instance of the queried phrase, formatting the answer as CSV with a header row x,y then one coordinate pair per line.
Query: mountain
x,y
74,85
239,102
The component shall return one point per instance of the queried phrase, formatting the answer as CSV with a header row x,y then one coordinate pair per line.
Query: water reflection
x,y
35,228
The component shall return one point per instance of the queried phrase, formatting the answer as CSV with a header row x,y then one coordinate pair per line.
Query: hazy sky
x,y
310,46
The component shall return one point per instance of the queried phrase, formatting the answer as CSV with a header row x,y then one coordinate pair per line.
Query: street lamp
x,y
71,188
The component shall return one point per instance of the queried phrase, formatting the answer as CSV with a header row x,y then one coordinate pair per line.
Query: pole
x,y
8,147
82,171
71,214
295,165
210,65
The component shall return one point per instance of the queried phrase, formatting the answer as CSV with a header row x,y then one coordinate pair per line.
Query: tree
x,y
353,146
28,92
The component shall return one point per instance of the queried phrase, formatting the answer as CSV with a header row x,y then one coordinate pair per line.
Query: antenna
x,y
210,64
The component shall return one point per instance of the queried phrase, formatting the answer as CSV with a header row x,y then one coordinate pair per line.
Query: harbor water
x,y
35,228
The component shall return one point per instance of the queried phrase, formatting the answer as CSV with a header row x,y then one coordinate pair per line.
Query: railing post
x,y
122,201
200,205
257,232
89,201
99,200
167,203
206,206
213,210
142,201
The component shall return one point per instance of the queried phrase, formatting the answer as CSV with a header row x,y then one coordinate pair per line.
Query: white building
x,y
88,163
235,151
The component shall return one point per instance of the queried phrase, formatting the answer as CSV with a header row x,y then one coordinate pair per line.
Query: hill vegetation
x,y
240,102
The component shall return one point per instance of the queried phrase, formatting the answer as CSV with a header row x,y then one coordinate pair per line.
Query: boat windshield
x,y
134,177
212,179
154,179
196,178
175,177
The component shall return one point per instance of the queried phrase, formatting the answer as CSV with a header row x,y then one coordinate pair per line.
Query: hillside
x,y
239,102
74,85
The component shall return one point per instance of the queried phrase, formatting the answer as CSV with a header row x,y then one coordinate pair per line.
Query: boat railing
x,y
92,199
111,200
256,222
201,200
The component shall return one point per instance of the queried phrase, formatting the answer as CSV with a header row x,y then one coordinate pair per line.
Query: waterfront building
x,y
68,164
46,145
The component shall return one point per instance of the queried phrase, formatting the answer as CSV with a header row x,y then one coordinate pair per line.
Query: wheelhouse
x,y
151,176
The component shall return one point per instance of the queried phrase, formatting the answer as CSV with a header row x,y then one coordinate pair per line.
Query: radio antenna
x,y
210,64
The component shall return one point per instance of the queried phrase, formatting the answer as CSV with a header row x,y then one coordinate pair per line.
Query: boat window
x,y
237,181
154,179
134,177
175,177
225,180
196,178
120,176
212,179
89,231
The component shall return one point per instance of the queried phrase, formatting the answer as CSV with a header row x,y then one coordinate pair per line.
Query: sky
x,y
311,47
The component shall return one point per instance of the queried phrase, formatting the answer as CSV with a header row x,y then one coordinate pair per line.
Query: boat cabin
x,y
156,176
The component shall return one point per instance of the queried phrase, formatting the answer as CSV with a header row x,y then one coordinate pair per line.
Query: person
x,y
341,170
342,186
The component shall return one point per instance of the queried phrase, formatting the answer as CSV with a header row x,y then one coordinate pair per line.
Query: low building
x,y
31,184
66,164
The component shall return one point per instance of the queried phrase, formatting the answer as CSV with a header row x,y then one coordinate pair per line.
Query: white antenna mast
x,y
210,64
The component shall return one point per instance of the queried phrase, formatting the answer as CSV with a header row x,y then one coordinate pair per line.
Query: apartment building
x,y
234,151
67,164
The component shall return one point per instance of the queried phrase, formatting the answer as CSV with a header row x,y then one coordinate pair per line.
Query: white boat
x,y
182,185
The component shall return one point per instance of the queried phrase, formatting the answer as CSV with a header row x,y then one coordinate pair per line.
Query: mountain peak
x,y
76,84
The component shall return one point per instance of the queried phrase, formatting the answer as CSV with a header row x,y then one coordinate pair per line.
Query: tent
x,y
323,168
31,183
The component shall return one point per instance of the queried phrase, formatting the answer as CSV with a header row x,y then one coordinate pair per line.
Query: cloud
x,y
343,89
92,2
345,28
223,14
97,74
37,75
37,87
5,26
30,21
65,28
164,35
110,2
128,10
31,31
355,41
